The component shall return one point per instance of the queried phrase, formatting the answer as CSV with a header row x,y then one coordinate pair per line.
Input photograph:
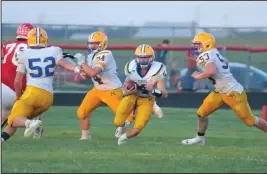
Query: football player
x,y
227,90
147,74
38,62
101,67
9,64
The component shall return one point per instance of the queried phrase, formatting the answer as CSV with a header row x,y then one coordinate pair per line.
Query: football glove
x,y
80,58
68,55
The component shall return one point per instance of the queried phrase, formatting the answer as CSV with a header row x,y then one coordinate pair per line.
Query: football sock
x,y
5,136
127,123
85,133
200,134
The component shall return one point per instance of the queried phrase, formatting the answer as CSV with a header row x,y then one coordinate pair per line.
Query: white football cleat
x,y
197,140
157,110
119,131
38,133
86,137
32,127
121,141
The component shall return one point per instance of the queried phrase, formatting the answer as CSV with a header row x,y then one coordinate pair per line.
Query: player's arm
x,y
64,63
91,72
2,54
210,70
126,91
161,83
127,72
21,70
161,92
159,76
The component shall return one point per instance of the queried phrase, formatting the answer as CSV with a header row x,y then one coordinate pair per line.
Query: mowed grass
x,y
231,146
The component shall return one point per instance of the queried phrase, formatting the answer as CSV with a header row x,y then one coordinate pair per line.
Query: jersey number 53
x,y
46,71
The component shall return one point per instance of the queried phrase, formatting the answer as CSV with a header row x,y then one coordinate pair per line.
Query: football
x,y
130,84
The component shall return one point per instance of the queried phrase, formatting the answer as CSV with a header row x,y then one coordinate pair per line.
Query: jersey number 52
x,y
47,71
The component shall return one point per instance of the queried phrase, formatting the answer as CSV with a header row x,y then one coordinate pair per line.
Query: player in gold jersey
x,y
227,90
147,74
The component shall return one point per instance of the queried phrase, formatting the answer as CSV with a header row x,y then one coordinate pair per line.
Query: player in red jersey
x,y
9,66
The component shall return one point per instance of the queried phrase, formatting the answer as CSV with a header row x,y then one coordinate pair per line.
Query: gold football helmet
x,y
37,37
202,42
97,41
144,55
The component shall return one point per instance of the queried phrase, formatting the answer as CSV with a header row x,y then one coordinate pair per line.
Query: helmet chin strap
x,y
146,65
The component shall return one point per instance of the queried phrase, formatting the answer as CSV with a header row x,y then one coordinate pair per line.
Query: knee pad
x,y
200,112
250,121
118,122
81,114
10,121
140,126
202,117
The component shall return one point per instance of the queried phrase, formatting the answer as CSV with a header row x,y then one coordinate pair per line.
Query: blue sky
x,y
206,13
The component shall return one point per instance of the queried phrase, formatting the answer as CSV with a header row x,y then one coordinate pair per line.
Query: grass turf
x,y
231,145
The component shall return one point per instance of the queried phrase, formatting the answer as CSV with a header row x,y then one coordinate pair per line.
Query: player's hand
x,y
195,75
130,91
83,75
80,58
77,69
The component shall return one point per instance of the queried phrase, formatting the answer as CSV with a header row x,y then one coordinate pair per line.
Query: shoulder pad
x,y
130,67
160,68
55,47
104,52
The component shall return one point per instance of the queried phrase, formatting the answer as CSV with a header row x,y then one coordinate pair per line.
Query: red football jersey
x,y
9,64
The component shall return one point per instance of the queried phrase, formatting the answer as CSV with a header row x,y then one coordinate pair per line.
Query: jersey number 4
x,y
98,80
48,70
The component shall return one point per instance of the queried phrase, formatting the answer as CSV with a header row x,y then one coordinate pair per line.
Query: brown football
x,y
130,84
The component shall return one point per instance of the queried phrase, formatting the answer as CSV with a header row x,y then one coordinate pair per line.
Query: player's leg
x,y
144,111
210,104
129,119
113,99
157,110
21,110
125,108
90,102
40,101
8,97
121,130
239,104
37,113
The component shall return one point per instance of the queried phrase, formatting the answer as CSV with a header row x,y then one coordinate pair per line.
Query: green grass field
x,y
231,146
